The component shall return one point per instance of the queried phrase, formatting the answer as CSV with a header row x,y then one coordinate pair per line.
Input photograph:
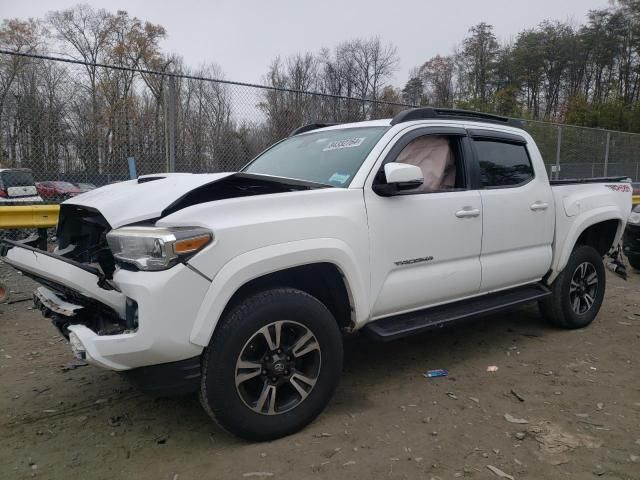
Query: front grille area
x,y
82,236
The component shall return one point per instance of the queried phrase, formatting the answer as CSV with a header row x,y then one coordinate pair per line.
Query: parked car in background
x,y
631,240
636,188
17,186
85,187
57,190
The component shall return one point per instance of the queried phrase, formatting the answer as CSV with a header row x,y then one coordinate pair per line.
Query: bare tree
x,y
437,74
18,36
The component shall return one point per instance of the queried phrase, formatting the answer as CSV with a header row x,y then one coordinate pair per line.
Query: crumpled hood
x,y
136,200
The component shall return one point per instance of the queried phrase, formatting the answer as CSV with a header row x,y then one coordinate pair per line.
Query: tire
x,y
634,261
249,409
560,307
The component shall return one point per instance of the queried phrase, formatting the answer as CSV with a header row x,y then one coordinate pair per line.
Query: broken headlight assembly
x,y
156,248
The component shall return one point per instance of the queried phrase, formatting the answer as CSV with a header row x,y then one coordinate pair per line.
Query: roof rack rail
x,y
452,114
309,127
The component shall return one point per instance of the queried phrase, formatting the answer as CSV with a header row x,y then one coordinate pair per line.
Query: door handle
x,y
468,212
539,206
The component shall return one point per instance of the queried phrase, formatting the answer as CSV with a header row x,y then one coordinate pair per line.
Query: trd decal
x,y
624,187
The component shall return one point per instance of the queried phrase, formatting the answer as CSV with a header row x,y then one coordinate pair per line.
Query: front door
x,y
425,243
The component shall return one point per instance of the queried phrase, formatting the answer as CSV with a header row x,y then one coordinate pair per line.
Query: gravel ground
x,y
577,391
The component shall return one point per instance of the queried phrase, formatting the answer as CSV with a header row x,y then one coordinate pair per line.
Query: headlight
x,y
155,248
634,218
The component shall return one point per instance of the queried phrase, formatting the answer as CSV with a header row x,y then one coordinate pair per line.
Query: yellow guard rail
x,y
29,216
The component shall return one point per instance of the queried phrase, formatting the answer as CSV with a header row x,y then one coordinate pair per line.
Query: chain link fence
x,y
71,122
580,152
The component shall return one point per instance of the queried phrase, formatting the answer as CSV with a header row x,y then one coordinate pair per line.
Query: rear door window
x,y
503,164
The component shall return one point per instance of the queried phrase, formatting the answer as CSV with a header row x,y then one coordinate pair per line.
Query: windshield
x,y
330,157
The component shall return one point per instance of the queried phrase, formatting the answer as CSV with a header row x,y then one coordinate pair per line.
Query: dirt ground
x,y
580,394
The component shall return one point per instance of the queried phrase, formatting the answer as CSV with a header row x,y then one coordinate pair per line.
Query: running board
x,y
398,326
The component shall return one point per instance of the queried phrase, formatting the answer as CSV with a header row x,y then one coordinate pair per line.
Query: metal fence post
x,y
558,152
606,154
170,125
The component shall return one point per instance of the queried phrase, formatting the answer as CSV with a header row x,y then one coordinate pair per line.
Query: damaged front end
x,y
72,292
121,288
76,279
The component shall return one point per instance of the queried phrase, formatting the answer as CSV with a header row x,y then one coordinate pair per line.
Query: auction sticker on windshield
x,y
346,143
340,178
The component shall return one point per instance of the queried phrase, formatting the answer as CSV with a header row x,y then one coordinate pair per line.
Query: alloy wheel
x,y
278,367
583,288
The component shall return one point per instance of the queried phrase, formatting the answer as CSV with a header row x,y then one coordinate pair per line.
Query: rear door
x,y
518,210
425,243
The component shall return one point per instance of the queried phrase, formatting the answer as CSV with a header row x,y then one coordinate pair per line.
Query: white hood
x,y
129,202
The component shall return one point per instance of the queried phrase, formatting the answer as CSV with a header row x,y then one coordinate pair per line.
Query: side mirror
x,y
400,176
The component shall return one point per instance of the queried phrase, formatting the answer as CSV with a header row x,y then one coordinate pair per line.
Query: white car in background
x,y
239,285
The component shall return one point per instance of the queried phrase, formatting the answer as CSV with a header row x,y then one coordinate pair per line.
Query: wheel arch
x,y
600,229
324,268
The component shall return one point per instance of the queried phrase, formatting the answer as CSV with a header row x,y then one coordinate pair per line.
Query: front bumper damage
x,y
133,320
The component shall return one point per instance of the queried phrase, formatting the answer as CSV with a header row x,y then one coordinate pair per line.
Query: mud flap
x,y
615,262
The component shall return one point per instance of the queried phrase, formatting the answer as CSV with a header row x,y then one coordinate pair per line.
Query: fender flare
x,y
581,223
263,261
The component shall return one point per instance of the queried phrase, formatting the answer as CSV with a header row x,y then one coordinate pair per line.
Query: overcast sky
x,y
243,36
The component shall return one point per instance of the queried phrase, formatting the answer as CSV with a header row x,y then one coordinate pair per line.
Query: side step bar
x,y
398,326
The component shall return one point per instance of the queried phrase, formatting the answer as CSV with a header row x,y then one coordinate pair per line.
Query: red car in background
x,y
57,190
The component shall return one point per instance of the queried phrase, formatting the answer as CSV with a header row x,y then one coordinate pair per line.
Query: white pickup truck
x,y
239,286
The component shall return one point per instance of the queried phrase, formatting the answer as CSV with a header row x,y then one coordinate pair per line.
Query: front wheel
x,y
578,291
272,364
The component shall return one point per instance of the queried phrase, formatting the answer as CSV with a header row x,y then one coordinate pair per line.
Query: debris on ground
x,y
492,368
73,365
499,473
436,373
555,443
4,293
511,419
517,395
257,474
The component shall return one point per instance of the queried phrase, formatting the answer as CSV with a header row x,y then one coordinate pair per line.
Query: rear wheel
x,y
272,365
578,291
